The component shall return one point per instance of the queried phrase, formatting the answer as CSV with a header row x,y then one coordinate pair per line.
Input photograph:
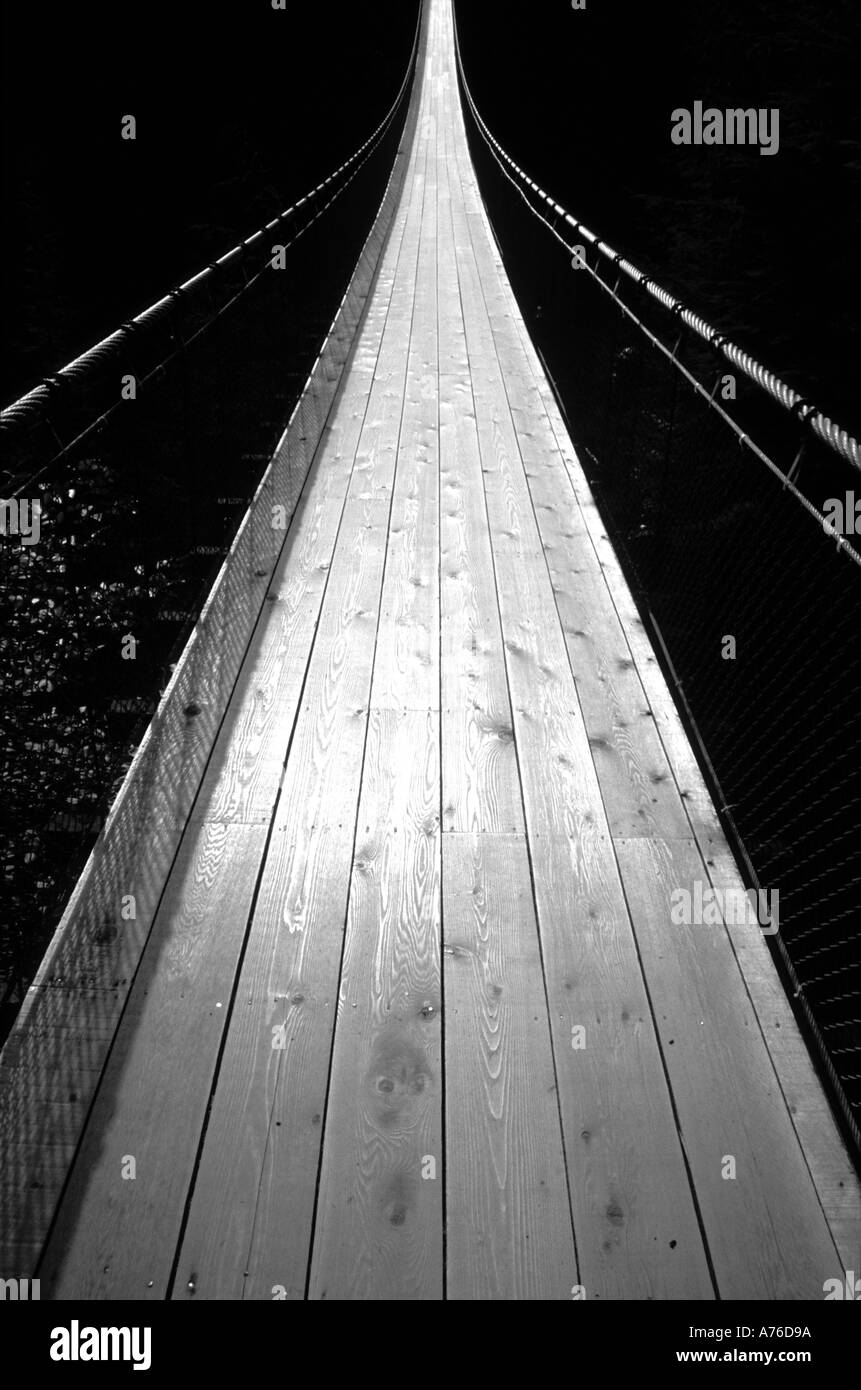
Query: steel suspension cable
x,y
792,401
36,402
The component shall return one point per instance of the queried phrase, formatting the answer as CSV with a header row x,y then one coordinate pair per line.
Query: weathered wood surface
x,y
68,1019
411,1019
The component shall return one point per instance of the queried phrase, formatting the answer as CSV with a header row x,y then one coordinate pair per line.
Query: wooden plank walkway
x,y
412,1020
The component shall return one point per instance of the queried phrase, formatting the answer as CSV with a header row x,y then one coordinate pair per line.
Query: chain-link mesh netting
x,y
717,545
138,489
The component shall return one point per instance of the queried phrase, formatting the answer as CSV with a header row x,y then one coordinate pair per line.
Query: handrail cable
x,y
832,434
26,409
828,430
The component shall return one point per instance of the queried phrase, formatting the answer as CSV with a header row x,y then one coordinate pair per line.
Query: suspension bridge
x,y
372,987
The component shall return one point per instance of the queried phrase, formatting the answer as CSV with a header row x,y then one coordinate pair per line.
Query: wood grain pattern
x,y
629,1189
379,1216
837,1182
244,773
115,1235
638,790
379,1230
767,1233
429,818
406,664
481,788
137,846
263,1171
509,1221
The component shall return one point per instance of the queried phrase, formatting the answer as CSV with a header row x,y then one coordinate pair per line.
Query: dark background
x,y
766,247
240,112
240,108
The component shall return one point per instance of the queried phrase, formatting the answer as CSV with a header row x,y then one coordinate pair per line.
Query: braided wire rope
x,y
806,766
38,402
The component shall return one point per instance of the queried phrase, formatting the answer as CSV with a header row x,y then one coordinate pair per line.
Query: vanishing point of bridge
x,y
403,1013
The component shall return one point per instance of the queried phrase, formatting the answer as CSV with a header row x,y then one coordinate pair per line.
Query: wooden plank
x,y
837,1182
262,1171
115,1235
445,476
767,1233
681,759
244,774
834,1174
271,657
379,1216
637,787
406,665
508,1216
629,1187
379,1213
481,788
147,818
